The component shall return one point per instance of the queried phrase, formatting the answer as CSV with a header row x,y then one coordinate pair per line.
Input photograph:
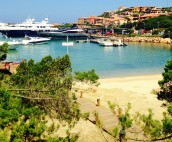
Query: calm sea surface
x,y
134,59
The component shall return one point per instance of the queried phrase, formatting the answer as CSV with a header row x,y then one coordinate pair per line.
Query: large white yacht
x,y
29,28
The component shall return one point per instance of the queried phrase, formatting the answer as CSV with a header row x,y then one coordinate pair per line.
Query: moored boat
x,y
11,43
104,42
71,33
35,40
119,43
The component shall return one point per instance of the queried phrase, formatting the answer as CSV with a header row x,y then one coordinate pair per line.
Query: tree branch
x,y
30,98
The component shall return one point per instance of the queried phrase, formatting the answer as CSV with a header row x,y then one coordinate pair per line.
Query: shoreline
x,y
102,77
140,39
148,40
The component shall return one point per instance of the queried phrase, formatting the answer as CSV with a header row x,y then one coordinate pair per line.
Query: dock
x,y
82,41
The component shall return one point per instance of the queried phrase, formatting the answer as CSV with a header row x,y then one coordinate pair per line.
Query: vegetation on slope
x,y
36,91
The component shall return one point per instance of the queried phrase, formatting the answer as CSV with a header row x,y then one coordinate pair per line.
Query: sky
x,y
65,11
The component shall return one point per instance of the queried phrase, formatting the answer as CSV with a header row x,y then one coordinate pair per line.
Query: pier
x,y
82,41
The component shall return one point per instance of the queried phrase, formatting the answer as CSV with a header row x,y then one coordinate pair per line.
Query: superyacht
x,y
29,28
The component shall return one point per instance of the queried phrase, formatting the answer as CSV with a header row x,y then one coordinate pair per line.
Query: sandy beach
x,y
136,90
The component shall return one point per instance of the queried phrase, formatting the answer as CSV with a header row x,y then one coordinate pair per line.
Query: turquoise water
x,y
134,59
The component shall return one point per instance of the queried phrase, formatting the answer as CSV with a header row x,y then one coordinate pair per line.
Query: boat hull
x,y
105,43
62,35
19,33
35,40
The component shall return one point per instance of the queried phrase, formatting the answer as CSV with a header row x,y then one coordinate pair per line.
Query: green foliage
x,y
113,107
41,74
125,119
166,83
155,23
151,127
115,132
130,31
31,112
128,25
60,139
66,25
3,136
156,32
24,121
27,131
53,76
105,15
167,9
170,110
133,35
89,76
51,128
167,125
4,47
168,33
85,116
38,90
167,122
3,51
9,110
1,76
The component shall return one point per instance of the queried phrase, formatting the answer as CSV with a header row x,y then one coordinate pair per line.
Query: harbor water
x,y
131,60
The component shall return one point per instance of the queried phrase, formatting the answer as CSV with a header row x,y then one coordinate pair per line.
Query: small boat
x,y
105,43
35,40
10,42
67,43
119,43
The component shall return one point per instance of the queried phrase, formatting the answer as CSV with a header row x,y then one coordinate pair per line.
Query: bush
x,y
89,76
166,83
168,33
133,35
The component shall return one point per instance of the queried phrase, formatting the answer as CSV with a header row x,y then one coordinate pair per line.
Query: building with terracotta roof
x,y
132,14
118,20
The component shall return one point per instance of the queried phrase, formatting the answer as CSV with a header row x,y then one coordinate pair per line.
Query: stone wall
x,y
146,39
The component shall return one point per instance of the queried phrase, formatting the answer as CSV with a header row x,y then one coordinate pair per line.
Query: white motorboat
x,y
105,42
10,42
119,43
35,40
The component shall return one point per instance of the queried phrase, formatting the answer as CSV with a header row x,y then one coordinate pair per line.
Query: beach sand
x,y
137,90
